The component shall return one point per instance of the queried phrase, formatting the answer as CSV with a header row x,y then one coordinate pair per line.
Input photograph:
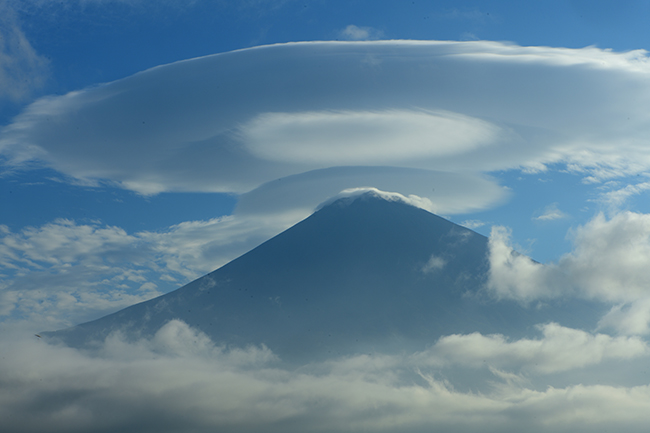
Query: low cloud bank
x,y
180,380
559,349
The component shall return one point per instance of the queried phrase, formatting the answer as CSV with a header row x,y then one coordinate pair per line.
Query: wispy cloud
x,y
473,224
617,198
355,33
63,273
435,264
550,213
22,69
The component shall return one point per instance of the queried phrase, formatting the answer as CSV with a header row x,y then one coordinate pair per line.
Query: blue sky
x,y
145,143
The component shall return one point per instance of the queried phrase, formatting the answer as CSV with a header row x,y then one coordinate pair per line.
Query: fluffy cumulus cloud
x,y
181,380
233,121
64,273
608,263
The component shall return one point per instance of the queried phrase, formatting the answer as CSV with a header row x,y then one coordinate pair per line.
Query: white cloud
x,y
472,224
22,69
64,273
551,213
609,263
303,106
612,256
515,276
616,198
354,193
632,318
435,263
180,380
392,137
355,33
560,349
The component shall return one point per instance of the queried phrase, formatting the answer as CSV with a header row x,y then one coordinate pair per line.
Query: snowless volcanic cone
x,y
362,274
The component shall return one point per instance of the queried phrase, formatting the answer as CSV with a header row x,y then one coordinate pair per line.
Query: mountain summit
x,y
361,274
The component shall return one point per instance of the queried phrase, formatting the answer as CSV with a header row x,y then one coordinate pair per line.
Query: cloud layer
x,y
180,380
447,193
232,121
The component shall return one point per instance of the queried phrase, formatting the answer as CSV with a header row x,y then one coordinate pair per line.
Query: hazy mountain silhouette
x,y
361,274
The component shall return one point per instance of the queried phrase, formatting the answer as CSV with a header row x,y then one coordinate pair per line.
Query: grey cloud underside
x,y
350,279
232,121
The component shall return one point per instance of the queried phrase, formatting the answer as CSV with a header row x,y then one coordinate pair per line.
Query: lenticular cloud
x,y
232,121
364,137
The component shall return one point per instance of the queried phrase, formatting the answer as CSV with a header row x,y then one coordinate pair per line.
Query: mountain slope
x,y
361,274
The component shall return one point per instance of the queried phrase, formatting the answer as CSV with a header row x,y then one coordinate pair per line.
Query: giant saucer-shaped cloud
x,y
230,122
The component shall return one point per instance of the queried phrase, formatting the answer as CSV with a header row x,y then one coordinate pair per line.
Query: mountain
x,y
361,274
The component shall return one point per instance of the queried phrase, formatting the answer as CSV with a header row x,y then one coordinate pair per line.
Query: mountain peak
x,y
365,269
367,272
350,195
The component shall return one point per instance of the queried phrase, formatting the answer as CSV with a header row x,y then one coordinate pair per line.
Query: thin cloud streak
x,y
22,69
355,33
615,199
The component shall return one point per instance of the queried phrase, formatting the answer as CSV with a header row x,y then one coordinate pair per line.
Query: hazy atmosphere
x,y
144,144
